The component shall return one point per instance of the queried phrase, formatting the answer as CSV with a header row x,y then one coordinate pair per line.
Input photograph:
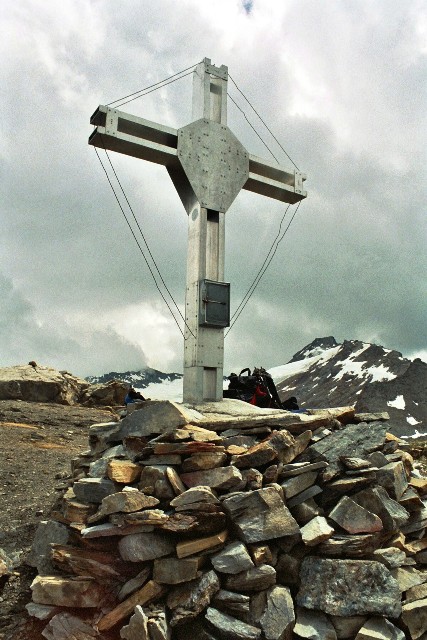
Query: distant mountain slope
x,y
327,374
139,379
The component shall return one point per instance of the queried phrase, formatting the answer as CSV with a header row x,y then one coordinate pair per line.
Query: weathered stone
x,y
41,611
202,461
48,532
353,518
175,481
65,626
198,523
161,460
313,625
296,468
316,531
306,511
417,521
40,384
255,579
77,511
414,615
231,628
149,518
377,459
234,558
408,577
134,583
220,478
93,489
420,484
68,592
355,440
346,627
154,418
377,500
253,479
190,547
351,546
379,629
197,495
124,502
260,515
288,568
101,565
98,468
235,604
304,496
279,616
410,500
188,600
154,482
108,529
298,483
355,463
278,446
175,570
149,592
123,471
391,557
418,592
137,628
393,478
348,587
346,485
261,554
141,547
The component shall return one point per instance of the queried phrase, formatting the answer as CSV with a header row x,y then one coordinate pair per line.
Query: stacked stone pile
x,y
184,524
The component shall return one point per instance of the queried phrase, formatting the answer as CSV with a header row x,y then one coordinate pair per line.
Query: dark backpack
x,y
256,388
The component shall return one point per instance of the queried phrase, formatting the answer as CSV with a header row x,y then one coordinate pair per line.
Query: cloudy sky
x,y
341,83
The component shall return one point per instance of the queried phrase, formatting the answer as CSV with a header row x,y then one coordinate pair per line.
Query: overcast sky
x,y
341,83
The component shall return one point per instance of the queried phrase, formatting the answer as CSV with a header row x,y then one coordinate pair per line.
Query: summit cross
x,y
208,167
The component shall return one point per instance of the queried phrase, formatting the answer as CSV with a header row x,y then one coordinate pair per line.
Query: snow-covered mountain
x,y
326,374
151,382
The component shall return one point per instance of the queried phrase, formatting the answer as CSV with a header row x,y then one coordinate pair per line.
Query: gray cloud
x,y
340,86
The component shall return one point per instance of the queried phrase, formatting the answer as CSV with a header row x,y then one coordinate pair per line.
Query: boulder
x,y
40,384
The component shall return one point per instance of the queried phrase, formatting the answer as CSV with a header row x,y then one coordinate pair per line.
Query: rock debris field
x,y
225,521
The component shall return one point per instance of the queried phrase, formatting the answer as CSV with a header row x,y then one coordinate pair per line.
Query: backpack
x,y
256,388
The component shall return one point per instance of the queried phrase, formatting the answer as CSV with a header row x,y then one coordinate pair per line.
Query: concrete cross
x,y
208,167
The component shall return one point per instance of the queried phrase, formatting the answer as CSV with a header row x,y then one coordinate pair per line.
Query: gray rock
x,y
379,629
48,532
199,494
316,531
260,515
296,468
235,604
219,478
377,500
230,628
175,570
391,557
414,615
304,496
279,616
93,489
188,600
137,628
255,579
64,626
348,587
141,547
294,486
234,558
355,440
313,625
347,627
153,481
392,477
355,519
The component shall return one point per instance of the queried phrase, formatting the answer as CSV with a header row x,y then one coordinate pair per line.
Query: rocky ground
x,y
37,443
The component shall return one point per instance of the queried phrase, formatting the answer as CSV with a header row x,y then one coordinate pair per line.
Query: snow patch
x,y
280,373
417,434
397,403
412,421
167,390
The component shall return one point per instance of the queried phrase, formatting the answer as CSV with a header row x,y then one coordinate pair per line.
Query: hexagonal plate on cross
x,y
214,161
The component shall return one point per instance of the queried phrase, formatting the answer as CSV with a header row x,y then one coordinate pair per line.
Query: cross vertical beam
x,y
204,345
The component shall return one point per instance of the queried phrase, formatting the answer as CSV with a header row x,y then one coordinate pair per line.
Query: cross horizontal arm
x,y
273,181
133,136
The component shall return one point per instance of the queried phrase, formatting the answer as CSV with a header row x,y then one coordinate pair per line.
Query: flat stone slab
x,y
141,547
313,625
234,558
233,628
355,519
379,629
260,515
348,587
279,616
